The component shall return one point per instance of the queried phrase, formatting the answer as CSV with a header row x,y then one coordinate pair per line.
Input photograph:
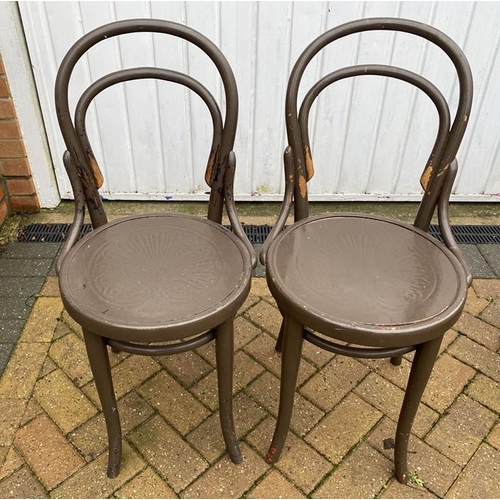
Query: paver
x,y
477,263
388,398
274,485
397,490
265,390
224,480
175,460
22,484
62,400
480,478
477,356
207,439
147,484
436,471
491,254
442,389
263,350
491,313
5,353
245,369
487,289
266,316
361,475
187,367
460,432
333,382
341,429
91,480
47,452
10,330
486,391
43,319
126,376
177,405
341,416
301,463
479,331
91,439
494,437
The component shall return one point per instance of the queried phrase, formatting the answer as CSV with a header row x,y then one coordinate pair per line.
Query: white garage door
x,y
370,139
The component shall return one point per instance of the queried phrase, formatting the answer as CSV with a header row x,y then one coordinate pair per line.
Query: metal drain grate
x,y
47,233
56,233
472,235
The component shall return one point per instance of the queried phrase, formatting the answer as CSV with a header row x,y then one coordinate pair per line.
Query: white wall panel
x,y
370,137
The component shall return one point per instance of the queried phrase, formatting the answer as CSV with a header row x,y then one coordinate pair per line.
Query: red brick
x,y
24,203
2,190
4,87
12,148
4,211
9,129
20,187
15,168
7,109
47,452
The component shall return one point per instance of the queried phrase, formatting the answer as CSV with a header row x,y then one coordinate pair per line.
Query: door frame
x,y
24,93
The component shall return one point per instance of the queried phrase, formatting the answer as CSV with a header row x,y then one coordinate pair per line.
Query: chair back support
x,y
82,167
448,137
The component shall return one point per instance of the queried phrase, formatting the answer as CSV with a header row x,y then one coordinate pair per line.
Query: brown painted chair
x,y
141,280
384,287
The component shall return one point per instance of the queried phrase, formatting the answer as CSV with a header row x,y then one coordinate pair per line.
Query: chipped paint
x,y
309,163
210,169
426,177
96,171
443,170
302,186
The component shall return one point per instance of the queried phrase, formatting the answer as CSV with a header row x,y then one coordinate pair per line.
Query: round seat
x,y
155,277
366,280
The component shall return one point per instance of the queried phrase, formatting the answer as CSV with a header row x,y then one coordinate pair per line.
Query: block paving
x,y
53,440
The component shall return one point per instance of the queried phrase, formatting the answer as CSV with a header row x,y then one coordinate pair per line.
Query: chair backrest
x,y
449,134
83,170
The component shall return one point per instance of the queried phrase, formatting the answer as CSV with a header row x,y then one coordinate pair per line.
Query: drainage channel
x,y
56,233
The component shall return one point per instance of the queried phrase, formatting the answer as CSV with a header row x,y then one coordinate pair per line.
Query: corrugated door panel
x,y
370,137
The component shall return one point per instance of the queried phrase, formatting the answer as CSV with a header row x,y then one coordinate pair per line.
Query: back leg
x,y
290,361
224,349
99,364
423,363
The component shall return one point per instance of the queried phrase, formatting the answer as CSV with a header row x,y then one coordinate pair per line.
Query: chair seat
x,y
156,277
342,273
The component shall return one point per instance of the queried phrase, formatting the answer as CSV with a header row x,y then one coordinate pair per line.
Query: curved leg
x,y
224,349
99,364
423,362
279,342
290,361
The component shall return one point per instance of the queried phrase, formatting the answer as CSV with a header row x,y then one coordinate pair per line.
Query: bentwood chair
x,y
143,280
362,285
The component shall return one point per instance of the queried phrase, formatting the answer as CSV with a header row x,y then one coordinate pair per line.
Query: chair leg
x,y
290,361
396,360
423,362
279,342
99,364
224,349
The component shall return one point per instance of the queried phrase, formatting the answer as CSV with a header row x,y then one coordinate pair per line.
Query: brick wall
x,y
17,190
